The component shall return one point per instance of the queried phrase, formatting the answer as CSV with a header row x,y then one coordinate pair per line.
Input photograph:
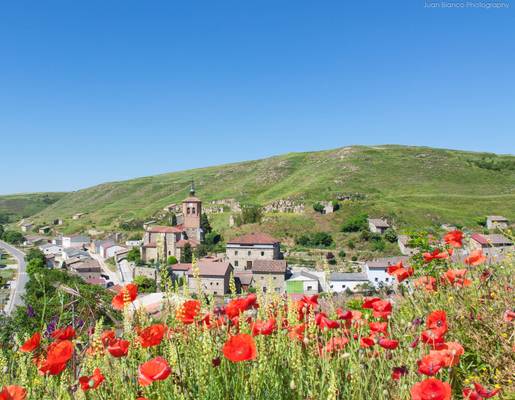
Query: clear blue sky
x,y
94,91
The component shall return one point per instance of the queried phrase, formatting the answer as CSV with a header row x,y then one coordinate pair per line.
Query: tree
x,y
35,254
4,219
12,237
390,235
134,255
186,253
212,238
251,214
378,245
204,224
1,231
355,223
171,260
173,219
145,284
342,254
318,207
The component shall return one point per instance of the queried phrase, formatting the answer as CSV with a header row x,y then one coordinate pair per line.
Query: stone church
x,y
161,242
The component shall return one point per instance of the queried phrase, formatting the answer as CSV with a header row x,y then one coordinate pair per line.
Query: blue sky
x,y
94,91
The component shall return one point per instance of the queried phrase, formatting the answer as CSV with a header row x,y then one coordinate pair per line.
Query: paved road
x,y
113,276
21,279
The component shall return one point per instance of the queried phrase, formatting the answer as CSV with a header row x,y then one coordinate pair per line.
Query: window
x,y
249,252
343,286
387,279
262,253
188,210
310,287
193,210
217,283
376,279
215,293
331,286
236,263
236,252
275,277
211,283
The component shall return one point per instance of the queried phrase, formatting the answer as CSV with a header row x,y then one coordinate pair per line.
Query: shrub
x,y
342,254
351,244
251,214
354,258
378,245
355,223
13,237
171,260
318,207
329,256
134,255
332,261
318,239
390,235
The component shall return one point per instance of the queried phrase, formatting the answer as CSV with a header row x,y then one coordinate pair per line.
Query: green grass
x,y
413,186
18,206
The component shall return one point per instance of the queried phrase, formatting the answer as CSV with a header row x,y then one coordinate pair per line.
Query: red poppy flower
x,y
430,364
378,327
470,394
13,392
437,320
325,323
431,389
454,238
93,381
238,306
31,344
107,336
399,372
436,254
366,342
389,344
240,348
400,272
67,333
335,344
58,354
426,282
483,392
264,327
345,315
449,353
156,369
127,295
188,311
433,337
152,335
456,277
296,332
476,257
382,308
118,347
368,301
508,316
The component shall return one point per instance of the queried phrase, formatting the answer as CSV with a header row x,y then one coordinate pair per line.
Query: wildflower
x,y
454,238
238,306
476,257
296,331
13,392
436,254
127,295
240,348
325,323
378,327
58,354
400,272
152,335
426,282
31,344
508,316
30,311
430,364
335,344
478,393
188,311
67,333
449,353
437,321
118,347
264,327
382,308
456,277
368,301
398,372
216,361
305,305
431,389
93,381
107,336
366,342
345,315
156,369
389,344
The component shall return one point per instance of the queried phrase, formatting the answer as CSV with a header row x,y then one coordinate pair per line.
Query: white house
x,y
133,243
26,227
496,221
340,282
75,241
376,270
51,249
303,283
112,250
377,225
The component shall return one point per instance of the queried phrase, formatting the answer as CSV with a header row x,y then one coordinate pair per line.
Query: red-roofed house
x,y
244,250
214,277
491,244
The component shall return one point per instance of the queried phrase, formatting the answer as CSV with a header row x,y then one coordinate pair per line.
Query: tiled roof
x,y
191,199
245,277
269,266
254,238
165,229
180,266
303,274
497,218
193,243
380,223
494,239
210,268
150,245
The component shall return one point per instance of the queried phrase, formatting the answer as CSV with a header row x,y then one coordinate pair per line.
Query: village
x,y
252,262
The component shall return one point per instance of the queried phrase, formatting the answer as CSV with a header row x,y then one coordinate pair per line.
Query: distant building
x,y
26,227
303,283
491,244
340,282
34,240
133,243
86,269
57,221
71,252
243,279
244,250
51,249
75,241
214,277
376,270
269,275
179,270
376,225
496,222
78,216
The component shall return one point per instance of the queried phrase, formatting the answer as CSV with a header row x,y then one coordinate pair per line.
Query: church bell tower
x,y
192,210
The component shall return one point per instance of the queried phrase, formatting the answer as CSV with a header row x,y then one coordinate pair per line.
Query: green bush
x,y
390,235
12,237
318,239
355,223
171,260
342,254
318,207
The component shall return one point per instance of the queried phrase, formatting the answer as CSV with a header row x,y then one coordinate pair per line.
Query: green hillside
x,y
413,186
16,206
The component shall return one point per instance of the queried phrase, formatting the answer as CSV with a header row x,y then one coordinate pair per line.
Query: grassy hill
x,y
16,206
413,186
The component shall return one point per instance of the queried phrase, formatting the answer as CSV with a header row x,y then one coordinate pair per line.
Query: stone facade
x,y
244,250
285,206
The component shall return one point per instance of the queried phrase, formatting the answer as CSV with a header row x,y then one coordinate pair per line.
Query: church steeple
x,y
192,188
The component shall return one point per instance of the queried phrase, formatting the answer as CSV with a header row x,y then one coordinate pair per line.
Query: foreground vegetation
x,y
448,330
